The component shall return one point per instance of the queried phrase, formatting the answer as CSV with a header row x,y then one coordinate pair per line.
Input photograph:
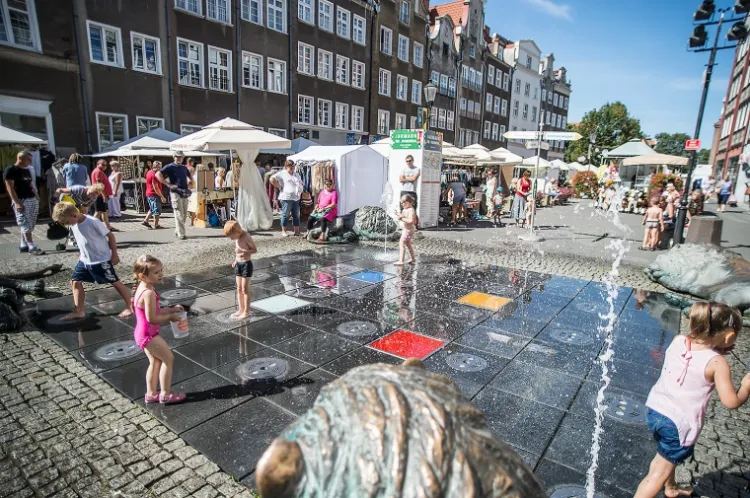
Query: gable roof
x,y
632,148
455,10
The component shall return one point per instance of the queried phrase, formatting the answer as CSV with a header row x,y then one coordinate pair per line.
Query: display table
x,y
199,202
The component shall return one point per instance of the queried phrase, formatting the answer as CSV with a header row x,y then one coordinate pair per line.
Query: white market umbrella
x,y
656,160
576,166
507,156
253,207
474,147
560,164
11,136
532,161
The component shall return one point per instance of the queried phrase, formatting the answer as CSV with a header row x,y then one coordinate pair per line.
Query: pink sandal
x,y
172,398
151,399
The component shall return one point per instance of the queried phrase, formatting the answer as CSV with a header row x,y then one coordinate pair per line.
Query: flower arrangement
x,y
565,193
585,184
658,180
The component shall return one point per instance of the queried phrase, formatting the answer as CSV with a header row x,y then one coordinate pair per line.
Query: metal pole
x,y
588,166
536,176
682,212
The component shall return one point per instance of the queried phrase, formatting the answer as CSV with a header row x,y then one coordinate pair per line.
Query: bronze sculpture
x,y
397,432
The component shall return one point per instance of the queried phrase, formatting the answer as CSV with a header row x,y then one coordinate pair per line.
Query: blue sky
x,y
633,51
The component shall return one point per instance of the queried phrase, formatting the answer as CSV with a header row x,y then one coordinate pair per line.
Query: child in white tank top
x,y
694,366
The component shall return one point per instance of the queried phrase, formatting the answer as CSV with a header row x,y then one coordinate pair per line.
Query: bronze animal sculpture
x,y
11,295
392,431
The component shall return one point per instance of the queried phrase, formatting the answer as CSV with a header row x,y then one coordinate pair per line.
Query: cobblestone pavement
x,y
66,433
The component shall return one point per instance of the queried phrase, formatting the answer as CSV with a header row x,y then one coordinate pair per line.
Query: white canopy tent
x,y
361,173
561,165
636,170
253,207
656,160
576,166
532,162
11,136
507,156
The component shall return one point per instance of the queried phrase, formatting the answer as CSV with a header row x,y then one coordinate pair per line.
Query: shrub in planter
x,y
565,193
585,184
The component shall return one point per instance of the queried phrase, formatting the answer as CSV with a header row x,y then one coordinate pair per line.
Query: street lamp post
x,y
540,134
736,33
430,92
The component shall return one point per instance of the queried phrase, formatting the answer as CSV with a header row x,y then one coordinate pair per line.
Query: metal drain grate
x,y
118,351
624,409
357,328
571,491
572,337
465,362
179,294
263,369
313,293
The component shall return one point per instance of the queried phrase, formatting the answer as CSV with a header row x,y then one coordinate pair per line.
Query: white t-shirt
x,y
409,186
91,236
291,186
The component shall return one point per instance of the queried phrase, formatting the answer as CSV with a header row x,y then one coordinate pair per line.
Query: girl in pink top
x,y
326,208
148,318
694,366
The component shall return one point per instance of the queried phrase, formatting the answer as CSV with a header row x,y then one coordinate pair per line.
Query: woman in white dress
x,y
115,179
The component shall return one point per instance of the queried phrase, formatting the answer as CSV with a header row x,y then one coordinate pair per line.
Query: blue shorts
x,y
100,273
667,438
154,205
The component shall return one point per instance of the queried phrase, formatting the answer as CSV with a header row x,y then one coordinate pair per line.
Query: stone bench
x,y
705,229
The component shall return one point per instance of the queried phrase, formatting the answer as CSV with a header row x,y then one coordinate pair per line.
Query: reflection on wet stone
x,y
571,491
118,351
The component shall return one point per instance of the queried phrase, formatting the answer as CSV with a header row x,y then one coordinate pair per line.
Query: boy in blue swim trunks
x,y
97,260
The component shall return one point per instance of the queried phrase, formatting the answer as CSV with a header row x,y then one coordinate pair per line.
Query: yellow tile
x,y
486,301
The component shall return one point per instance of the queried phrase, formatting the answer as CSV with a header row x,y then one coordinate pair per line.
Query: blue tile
x,y
371,276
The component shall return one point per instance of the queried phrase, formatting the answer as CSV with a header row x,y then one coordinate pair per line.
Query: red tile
x,y
407,344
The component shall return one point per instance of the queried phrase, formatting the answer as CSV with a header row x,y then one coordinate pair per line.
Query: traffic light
x,y
742,6
737,32
705,11
699,37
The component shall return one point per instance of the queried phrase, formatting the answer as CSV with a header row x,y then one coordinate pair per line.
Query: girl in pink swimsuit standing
x,y
148,318
694,366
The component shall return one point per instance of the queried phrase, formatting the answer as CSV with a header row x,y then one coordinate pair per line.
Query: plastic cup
x,y
180,328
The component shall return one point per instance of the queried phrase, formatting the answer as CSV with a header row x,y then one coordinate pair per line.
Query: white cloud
x,y
551,8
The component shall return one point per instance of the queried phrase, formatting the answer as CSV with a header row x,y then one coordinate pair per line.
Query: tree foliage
x,y
672,144
704,155
613,126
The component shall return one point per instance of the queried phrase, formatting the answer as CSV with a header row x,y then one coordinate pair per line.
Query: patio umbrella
x,y
532,161
656,160
253,207
561,165
474,147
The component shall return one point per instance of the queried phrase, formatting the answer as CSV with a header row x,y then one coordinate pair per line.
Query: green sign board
x,y
405,139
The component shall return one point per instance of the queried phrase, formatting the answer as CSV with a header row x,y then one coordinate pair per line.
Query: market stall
x,y
253,210
635,171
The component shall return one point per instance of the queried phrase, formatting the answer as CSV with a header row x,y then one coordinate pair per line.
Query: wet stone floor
x,y
522,346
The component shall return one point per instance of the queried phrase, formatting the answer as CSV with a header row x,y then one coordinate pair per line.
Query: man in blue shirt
x,y
75,173
175,177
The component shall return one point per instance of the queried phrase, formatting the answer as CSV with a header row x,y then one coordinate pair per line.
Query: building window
x,y
402,83
358,75
462,105
190,62
324,113
444,84
527,90
533,114
504,108
21,29
343,21
342,69
251,11
358,118
342,116
528,62
400,121
416,92
470,108
515,108
506,81
564,122
358,29
452,87
435,77
278,132
305,58
305,9
554,99
433,117
252,70
486,134
518,85
413,122
105,44
461,137
276,15
565,106
472,51
441,119
386,40
384,83
145,124
496,106
502,132
490,75
146,53
495,129
276,76
304,109
325,15
525,111
547,119
403,48
498,78
472,77
219,69
384,122
112,129
544,94
451,118
418,54
488,103
404,12
219,10
192,6
325,65
187,129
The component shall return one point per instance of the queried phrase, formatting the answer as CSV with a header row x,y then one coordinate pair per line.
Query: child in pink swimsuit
x,y
694,366
148,319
